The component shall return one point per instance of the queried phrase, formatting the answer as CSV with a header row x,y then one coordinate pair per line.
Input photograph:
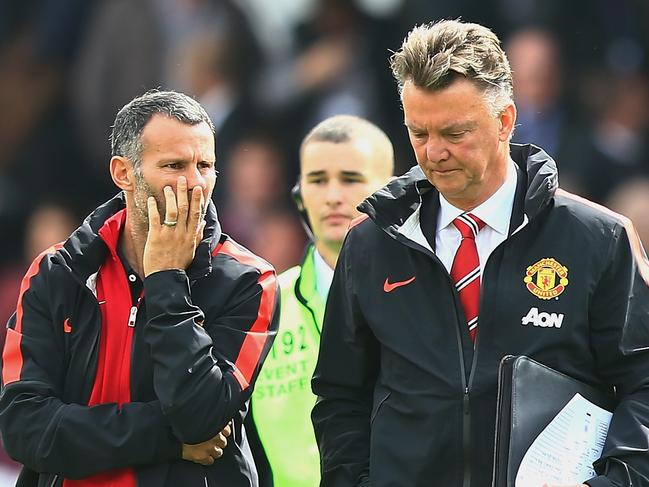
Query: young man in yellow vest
x,y
342,160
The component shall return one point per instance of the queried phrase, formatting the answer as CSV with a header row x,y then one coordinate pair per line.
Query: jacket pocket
x,y
378,405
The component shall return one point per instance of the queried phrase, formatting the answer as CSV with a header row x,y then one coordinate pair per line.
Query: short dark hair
x,y
132,118
340,129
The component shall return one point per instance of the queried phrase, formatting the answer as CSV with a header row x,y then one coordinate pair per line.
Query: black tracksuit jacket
x,y
404,397
200,339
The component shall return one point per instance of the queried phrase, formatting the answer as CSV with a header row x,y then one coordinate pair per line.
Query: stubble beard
x,y
143,191
140,196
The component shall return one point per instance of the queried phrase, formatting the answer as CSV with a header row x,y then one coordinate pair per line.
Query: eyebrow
x,y
186,161
348,174
467,125
411,127
352,174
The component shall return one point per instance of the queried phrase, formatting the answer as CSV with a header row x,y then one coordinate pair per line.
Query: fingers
x,y
196,211
171,209
202,454
176,232
207,452
199,233
152,210
213,453
208,460
220,441
181,198
180,209
211,456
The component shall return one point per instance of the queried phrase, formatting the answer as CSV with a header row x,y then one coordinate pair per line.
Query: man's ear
x,y
121,170
507,121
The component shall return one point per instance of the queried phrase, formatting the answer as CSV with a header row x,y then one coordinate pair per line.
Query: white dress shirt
x,y
323,275
495,212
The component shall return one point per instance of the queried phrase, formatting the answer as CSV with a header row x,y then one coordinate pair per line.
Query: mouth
x,y
336,218
444,172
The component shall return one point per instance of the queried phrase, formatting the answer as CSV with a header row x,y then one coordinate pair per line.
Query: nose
x,y
334,193
195,178
436,150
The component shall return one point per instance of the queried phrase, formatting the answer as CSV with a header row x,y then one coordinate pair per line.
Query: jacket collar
x,y
392,205
84,251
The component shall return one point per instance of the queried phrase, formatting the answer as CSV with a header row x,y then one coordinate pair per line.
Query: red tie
x,y
465,270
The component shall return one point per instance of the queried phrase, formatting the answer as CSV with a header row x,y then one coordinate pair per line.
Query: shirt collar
x,y
323,275
495,212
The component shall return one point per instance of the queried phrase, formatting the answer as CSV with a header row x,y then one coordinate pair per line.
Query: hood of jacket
x,y
392,205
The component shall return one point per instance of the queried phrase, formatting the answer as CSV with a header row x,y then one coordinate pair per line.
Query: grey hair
x,y
434,55
125,138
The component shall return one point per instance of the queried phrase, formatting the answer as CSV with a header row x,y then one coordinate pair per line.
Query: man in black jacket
x,y
472,255
136,343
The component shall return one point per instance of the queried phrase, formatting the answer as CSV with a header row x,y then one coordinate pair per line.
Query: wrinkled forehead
x,y
167,136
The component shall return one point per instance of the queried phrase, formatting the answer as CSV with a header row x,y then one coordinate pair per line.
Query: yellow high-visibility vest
x,y
282,400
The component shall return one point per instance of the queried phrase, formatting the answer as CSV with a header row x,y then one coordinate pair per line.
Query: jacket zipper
x,y
466,410
466,402
466,384
56,477
132,316
466,439
132,319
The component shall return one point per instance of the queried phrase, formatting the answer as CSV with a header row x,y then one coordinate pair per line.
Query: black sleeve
x,y
204,369
619,318
344,381
48,435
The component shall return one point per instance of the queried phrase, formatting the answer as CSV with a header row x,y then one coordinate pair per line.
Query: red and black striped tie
x,y
465,270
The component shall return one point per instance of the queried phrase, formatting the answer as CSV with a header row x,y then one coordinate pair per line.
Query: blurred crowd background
x,y
267,71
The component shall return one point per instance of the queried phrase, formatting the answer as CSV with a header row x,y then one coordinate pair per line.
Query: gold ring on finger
x,y
169,223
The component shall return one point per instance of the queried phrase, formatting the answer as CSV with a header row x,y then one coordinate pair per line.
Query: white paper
x,y
565,450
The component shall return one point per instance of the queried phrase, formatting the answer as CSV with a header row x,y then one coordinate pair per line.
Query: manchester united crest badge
x,y
546,279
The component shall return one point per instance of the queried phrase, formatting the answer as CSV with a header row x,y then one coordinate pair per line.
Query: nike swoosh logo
x,y
66,326
388,287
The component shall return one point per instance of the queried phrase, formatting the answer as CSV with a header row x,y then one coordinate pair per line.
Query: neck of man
x,y
132,242
329,251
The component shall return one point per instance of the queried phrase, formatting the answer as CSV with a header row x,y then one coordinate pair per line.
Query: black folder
x,y
530,395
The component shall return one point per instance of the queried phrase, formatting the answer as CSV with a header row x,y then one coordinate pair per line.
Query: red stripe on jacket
x,y
359,219
256,337
12,356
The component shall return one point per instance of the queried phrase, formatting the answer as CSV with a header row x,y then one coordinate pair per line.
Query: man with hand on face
x,y
472,255
342,160
136,342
